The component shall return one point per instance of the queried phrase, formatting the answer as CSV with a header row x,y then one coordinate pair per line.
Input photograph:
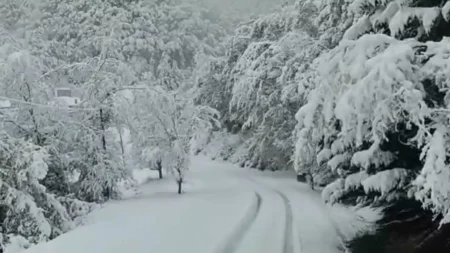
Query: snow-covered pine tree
x,y
365,127
377,112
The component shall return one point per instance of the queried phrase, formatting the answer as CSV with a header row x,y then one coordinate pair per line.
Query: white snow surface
x,y
224,209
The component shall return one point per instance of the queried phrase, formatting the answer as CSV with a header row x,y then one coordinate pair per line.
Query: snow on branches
x,y
100,53
256,84
167,122
376,103
29,210
398,18
363,88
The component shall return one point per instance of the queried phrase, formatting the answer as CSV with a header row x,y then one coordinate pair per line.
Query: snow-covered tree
x,y
357,103
255,86
99,50
376,106
26,208
431,184
158,40
168,122
154,157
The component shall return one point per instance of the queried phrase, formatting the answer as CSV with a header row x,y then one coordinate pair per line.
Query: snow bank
x,y
129,188
16,244
144,175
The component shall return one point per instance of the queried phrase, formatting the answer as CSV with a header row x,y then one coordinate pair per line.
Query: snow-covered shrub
x,y
15,243
77,209
27,209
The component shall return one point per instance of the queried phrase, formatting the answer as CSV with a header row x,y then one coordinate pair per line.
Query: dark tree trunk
x,y
160,173
159,168
107,193
180,183
102,126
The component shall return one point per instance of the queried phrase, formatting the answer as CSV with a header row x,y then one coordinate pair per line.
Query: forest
x,y
355,94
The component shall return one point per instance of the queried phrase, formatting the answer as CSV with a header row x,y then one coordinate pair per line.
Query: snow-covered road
x,y
225,209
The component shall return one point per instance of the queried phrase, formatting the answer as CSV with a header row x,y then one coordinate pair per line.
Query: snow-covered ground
x,y
225,209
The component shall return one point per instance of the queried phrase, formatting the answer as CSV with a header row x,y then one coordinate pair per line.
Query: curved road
x,y
225,209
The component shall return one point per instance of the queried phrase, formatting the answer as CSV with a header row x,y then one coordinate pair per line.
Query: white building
x,y
65,97
5,104
5,108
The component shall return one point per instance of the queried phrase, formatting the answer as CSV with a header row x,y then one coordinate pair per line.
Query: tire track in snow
x,y
342,247
289,229
288,245
234,240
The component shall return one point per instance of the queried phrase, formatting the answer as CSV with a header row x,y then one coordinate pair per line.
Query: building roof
x,y
5,103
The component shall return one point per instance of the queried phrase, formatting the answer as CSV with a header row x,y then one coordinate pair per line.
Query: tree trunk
x,y
38,139
102,126
310,180
180,183
160,173
122,148
107,193
159,168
